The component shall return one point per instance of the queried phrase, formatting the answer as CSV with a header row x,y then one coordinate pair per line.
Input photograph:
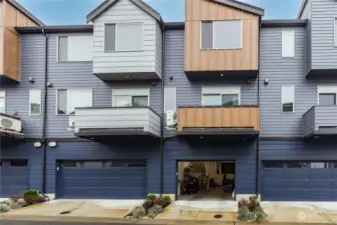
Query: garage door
x,y
299,181
103,179
14,177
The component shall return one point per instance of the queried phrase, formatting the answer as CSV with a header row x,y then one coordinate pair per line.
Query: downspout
x,y
162,115
44,122
257,175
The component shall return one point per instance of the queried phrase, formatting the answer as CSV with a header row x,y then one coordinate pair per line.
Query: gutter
x,y
44,120
162,115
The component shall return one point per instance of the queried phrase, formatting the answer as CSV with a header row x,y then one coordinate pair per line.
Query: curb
x,y
30,206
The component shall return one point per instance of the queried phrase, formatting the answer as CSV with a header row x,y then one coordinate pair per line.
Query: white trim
x,y
3,96
79,88
326,89
29,102
116,41
293,87
221,90
67,36
334,31
213,36
142,92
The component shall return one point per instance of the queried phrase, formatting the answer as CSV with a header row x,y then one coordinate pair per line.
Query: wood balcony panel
x,y
238,117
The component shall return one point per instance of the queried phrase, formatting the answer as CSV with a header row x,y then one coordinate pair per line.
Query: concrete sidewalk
x,y
177,213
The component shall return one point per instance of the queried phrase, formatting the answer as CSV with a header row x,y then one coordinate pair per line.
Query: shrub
x,y
163,202
4,208
167,198
148,204
33,199
154,211
15,198
138,212
8,203
30,192
21,201
151,197
261,216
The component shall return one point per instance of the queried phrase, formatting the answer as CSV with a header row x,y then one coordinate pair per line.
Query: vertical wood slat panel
x,y
219,60
226,117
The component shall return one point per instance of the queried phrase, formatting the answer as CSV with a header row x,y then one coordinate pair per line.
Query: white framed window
x,y
34,102
75,48
288,43
123,37
170,99
288,98
221,96
221,34
130,97
69,99
2,101
327,95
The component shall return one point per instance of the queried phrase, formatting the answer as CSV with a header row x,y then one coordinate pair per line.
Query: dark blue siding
x,y
142,150
244,154
10,149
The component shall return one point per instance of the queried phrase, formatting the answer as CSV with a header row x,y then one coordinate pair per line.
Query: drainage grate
x,y
218,216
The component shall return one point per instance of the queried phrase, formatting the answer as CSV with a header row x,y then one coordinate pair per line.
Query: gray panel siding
x,y
309,122
283,71
179,149
325,116
307,15
65,75
324,54
159,47
17,96
118,118
124,11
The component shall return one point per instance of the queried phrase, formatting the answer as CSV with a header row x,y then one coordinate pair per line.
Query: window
x,y
288,96
327,99
296,165
130,97
124,37
170,99
273,164
75,48
34,102
71,164
69,99
2,102
221,34
225,96
327,95
19,163
318,165
92,164
288,43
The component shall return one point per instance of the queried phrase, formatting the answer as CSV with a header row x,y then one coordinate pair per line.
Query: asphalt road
x,y
3,222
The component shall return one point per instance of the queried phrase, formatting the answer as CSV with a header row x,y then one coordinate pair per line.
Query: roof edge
x,y
241,5
303,4
109,3
55,29
25,11
284,23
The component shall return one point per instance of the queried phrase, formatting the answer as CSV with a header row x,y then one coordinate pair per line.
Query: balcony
x,y
320,121
10,126
107,122
218,120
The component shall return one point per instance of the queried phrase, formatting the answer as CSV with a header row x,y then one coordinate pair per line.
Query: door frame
x,y
200,160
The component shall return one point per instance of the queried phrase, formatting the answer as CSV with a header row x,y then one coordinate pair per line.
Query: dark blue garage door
x,y
299,181
103,179
13,177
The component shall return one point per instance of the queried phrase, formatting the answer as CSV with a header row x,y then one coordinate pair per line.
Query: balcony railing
x,y
95,121
221,117
320,120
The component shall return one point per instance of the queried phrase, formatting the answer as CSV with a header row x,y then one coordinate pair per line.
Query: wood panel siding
x,y
11,17
216,117
196,59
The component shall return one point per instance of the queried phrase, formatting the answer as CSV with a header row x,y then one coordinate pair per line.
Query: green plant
x,y
138,212
151,197
21,201
4,208
253,198
260,215
15,198
167,198
5,203
30,192
33,199
154,211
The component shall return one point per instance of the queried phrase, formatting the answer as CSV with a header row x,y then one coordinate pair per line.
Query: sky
x,y
62,12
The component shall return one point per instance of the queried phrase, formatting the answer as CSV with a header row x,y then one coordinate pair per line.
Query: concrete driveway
x,y
115,209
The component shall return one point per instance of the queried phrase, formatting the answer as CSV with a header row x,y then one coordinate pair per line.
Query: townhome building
x,y
222,106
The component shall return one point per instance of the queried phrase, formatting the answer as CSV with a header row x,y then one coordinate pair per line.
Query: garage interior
x,y
206,180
